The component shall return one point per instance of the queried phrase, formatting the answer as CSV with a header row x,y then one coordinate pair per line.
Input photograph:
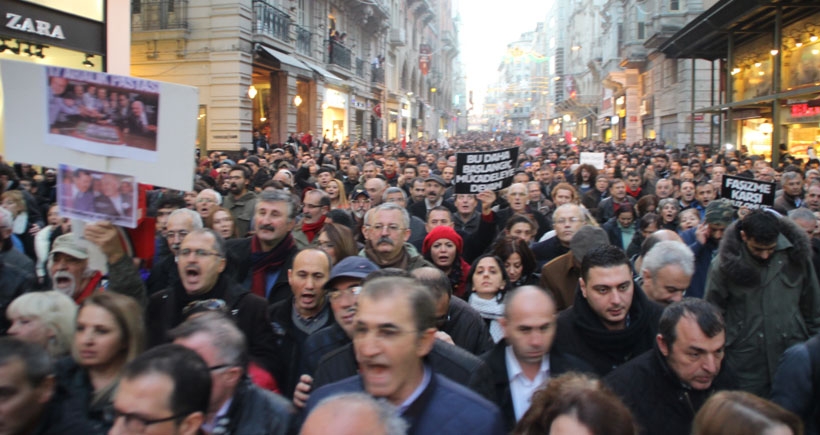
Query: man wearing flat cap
x,y
704,240
434,187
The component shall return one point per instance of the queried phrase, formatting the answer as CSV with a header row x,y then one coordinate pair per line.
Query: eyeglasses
x,y
201,200
171,235
563,221
442,320
382,334
205,305
220,367
306,205
334,294
393,228
136,424
198,253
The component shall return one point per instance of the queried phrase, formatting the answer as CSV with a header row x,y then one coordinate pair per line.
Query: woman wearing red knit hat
x,y
443,247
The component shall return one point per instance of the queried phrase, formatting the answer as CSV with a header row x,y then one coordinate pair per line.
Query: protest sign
x,y
93,196
154,146
594,159
480,171
747,192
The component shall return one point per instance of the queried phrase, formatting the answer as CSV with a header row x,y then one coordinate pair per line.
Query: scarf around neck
x,y
311,230
268,262
492,310
399,260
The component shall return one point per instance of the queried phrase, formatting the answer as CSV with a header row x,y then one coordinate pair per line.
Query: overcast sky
x,y
487,26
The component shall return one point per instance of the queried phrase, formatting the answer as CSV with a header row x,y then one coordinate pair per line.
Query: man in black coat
x,y
523,361
666,386
612,320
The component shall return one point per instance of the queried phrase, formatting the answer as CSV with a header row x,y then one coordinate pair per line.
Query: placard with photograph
x,y
94,196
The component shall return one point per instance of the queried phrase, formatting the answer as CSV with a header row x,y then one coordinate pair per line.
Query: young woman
x,y
108,334
338,197
337,240
44,318
22,227
443,247
519,261
647,225
487,284
222,221
621,228
585,176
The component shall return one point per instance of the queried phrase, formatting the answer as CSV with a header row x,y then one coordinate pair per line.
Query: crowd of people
x,y
326,288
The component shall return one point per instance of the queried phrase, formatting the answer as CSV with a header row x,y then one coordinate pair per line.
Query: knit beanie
x,y
442,232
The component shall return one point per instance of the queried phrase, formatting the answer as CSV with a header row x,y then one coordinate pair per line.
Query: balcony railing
x,y
360,68
377,75
270,21
339,54
303,40
159,15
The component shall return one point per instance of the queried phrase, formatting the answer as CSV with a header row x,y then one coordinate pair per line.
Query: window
x,y
136,6
641,30
674,5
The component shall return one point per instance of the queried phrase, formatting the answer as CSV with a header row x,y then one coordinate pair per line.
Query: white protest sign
x,y
595,159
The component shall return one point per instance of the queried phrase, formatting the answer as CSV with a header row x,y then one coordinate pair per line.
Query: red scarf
x,y
635,194
311,230
263,263
89,288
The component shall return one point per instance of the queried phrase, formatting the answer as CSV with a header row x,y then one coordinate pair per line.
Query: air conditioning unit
x,y
397,37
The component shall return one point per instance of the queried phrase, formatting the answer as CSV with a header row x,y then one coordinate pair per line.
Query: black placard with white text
x,y
480,171
747,192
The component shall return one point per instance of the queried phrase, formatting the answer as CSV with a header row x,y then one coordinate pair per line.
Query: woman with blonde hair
x,y
21,226
338,197
109,334
44,318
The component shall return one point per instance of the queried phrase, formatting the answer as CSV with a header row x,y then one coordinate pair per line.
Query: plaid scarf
x,y
267,262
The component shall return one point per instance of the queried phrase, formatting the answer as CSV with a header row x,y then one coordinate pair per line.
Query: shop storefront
x,y
334,115
358,108
803,129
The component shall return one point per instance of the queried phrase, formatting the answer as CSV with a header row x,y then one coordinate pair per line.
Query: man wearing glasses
x,y
393,331
180,223
314,210
237,405
386,231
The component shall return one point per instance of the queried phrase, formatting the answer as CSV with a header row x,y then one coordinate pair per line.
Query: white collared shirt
x,y
521,387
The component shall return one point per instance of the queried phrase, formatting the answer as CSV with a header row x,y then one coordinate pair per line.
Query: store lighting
x,y
766,128
798,44
252,92
87,62
757,64
297,101
761,73
774,52
813,38
263,119
815,52
735,71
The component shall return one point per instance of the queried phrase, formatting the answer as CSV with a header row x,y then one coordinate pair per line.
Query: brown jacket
x,y
560,276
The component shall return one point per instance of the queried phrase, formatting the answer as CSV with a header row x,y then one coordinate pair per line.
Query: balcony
x,y
360,68
338,54
377,75
302,40
164,19
270,21
397,37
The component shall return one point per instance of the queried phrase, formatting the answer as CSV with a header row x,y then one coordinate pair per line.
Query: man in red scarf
x,y
314,208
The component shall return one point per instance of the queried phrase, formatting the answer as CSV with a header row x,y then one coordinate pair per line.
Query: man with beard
x,y
314,210
704,240
609,206
517,197
685,365
240,202
304,313
359,205
416,190
434,187
393,333
387,228
611,320
763,281
260,262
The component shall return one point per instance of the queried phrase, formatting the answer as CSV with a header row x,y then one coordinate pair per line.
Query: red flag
x,y
403,143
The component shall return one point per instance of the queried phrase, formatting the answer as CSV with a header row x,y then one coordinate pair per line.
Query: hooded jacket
x,y
583,335
767,307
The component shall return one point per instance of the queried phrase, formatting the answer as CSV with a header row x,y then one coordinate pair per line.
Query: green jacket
x,y
766,307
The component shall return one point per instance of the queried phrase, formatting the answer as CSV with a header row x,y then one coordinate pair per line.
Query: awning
x,y
286,59
323,72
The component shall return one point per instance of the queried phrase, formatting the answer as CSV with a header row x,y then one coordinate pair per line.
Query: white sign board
x,y
594,159
50,118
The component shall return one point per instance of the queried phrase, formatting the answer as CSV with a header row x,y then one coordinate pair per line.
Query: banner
x,y
93,196
491,170
747,192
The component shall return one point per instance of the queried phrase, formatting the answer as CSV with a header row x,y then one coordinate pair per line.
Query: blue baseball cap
x,y
352,267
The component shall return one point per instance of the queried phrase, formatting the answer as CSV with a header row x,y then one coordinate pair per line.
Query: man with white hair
x,y
387,229
667,270
181,222
354,413
207,202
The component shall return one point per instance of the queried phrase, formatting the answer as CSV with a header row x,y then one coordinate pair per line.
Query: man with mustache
x,y
434,187
304,313
240,202
387,228
611,320
686,362
260,262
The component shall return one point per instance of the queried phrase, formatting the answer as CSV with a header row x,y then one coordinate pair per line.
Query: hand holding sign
x,y
477,172
487,199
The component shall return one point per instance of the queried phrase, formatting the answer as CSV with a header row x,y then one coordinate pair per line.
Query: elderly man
x,y
28,385
417,226
236,405
240,202
260,262
792,196
518,199
386,231
168,387
685,366
181,222
314,210
611,321
303,314
667,271
207,202
664,189
111,202
567,219
375,187
353,414
393,332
